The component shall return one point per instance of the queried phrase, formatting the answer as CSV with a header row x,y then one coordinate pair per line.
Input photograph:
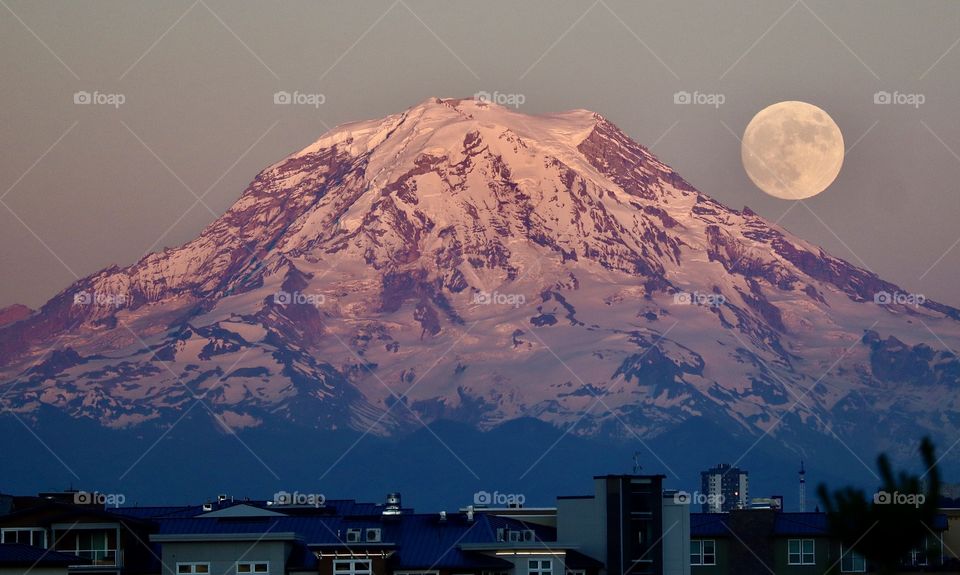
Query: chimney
x,y
803,488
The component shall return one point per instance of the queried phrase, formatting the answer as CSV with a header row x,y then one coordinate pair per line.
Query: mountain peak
x,y
490,244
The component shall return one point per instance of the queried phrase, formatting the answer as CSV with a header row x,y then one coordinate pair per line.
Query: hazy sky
x,y
84,186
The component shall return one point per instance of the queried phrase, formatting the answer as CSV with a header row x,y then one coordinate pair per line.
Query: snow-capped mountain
x,y
461,260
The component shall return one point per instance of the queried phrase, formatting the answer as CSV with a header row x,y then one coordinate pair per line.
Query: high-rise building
x,y
724,488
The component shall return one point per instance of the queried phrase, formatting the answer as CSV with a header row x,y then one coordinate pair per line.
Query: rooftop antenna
x,y
803,488
636,463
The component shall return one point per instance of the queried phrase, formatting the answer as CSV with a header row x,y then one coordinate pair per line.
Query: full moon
x,y
792,150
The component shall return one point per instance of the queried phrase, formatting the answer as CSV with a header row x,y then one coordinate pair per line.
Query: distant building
x,y
724,488
769,541
773,502
630,525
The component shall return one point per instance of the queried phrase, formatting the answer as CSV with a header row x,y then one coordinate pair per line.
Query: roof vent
x,y
443,516
470,513
393,506
208,506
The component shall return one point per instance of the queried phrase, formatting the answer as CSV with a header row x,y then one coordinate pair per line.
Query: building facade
x,y
781,543
724,488
630,525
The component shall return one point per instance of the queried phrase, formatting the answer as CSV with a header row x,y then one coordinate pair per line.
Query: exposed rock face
x,y
460,260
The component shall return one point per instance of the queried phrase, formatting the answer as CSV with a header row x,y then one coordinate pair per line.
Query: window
x,y
253,567
703,552
918,555
540,567
852,562
192,568
800,552
352,567
34,536
576,572
100,545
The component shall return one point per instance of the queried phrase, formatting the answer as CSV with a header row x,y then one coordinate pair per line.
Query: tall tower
x,y
803,488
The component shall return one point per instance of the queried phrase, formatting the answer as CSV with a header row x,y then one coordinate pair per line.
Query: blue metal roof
x,y
418,540
343,507
785,523
159,512
708,525
25,555
810,523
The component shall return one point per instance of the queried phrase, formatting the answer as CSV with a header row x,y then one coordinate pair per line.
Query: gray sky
x,y
86,186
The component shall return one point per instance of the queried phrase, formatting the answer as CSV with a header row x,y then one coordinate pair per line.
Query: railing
x,y
99,557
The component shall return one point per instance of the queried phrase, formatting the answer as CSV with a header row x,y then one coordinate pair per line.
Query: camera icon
x,y
282,298
282,498
882,97
682,97
682,298
82,498
881,498
483,96
82,97
681,498
482,298
82,298
482,498
883,298
282,97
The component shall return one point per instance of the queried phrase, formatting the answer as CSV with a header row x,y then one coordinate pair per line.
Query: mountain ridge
x,y
550,267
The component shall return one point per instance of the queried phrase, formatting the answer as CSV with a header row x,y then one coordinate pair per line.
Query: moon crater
x,y
792,150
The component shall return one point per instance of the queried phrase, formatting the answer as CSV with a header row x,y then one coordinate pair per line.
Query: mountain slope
x,y
463,261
